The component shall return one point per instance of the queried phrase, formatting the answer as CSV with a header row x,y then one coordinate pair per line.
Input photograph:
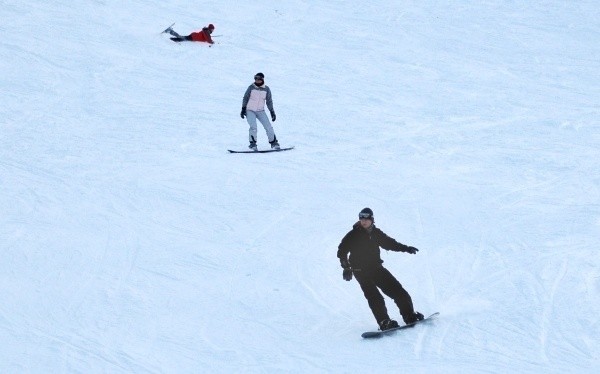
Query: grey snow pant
x,y
251,117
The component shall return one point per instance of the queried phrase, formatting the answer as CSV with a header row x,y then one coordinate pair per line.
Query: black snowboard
x,y
262,151
379,333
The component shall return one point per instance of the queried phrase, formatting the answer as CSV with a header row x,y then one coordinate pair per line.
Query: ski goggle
x,y
364,215
258,78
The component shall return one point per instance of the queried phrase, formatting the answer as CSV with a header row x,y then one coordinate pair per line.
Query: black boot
x,y
416,316
274,143
387,324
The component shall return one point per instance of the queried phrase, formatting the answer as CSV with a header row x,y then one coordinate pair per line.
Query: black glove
x,y
411,250
273,116
347,274
243,113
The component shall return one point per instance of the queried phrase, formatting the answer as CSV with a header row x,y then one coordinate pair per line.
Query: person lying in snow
x,y
198,36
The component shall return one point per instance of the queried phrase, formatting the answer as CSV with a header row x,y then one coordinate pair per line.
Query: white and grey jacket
x,y
255,98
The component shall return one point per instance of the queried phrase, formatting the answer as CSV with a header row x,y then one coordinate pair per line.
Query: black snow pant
x,y
381,278
179,38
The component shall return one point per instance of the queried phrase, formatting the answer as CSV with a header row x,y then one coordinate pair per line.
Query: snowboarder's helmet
x,y
211,26
366,213
259,75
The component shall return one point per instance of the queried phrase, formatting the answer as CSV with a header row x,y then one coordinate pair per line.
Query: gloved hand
x,y
411,250
347,274
243,113
273,116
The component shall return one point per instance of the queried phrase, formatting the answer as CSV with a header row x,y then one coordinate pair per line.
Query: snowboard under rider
x,y
363,244
253,107
197,36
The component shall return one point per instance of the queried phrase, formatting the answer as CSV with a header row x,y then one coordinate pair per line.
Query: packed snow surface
x,y
132,241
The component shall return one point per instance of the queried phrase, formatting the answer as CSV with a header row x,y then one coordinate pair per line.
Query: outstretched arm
x,y
392,244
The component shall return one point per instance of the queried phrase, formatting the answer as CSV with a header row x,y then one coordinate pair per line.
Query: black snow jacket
x,y
363,247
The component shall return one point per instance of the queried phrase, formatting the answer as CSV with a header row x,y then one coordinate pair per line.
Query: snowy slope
x,y
133,242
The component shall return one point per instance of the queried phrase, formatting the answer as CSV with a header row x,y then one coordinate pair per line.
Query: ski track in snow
x,y
133,242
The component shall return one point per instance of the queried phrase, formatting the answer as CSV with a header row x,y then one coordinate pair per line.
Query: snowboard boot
x,y
253,146
274,144
387,324
416,316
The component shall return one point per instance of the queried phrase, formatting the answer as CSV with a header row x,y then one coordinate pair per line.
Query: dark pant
x,y
177,37
381,278
181,38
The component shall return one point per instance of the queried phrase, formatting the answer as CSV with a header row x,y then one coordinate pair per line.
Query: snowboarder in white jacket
x,y
253,107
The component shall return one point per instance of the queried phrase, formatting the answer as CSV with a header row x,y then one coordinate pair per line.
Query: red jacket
x,y
202,36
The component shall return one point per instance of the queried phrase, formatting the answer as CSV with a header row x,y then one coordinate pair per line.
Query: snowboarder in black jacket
x,y
363,244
